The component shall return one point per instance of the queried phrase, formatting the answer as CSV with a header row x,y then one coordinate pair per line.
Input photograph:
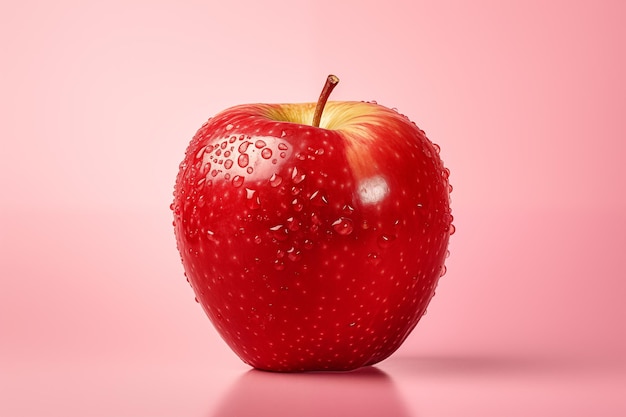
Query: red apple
x,y
312,244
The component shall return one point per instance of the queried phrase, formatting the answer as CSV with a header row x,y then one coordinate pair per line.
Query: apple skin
x,y
312,248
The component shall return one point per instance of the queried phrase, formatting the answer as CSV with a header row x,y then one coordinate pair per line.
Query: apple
x,y
314,234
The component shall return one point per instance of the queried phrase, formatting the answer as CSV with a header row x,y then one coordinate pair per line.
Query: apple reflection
x,y
363,392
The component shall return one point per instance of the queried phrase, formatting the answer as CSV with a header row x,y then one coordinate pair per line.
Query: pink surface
x,y
99,100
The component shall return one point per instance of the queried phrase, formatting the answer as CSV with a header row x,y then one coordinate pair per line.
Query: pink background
x,y
98,100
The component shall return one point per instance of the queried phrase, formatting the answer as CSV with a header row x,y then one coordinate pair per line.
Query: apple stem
x,y
331,82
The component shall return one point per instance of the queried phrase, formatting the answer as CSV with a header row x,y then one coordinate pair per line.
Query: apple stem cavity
x,y
331,82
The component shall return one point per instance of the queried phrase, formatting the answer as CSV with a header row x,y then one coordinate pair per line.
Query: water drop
x,y
308,244
283,154
228,164
279,232
243,147
293,225
443,270
275,180
384,241
243,160
283,134
347,209
249,170
237,181
446,173
257,239
451,229
343,226
449,188
282,147
229,126
297,204
266,153
318,198
252,199
211,236
260,144
224,144
437,148
374,259
294,255
279,266
296,176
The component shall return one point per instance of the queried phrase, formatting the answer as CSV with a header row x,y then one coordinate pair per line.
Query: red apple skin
x,y
312,248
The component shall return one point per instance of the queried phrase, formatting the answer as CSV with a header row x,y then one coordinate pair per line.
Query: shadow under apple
x,y
364,392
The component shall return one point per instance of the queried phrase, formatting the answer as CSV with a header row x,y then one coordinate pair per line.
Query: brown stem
x,y
331,82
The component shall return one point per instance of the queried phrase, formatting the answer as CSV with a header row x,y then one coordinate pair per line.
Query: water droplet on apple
x,y
243,160
279,266
293,254
243,147
343,226
443,270
252,199
308,244
249,170
266,153
318,198
347,209
279,232
297,204
296,176
228,164
283,154
385,241
449,188
257,239
275,180
451,229
282,146
292,224
374,259
238,181
229,126
260,144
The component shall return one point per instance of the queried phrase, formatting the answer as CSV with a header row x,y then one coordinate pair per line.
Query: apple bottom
x,y
337,306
